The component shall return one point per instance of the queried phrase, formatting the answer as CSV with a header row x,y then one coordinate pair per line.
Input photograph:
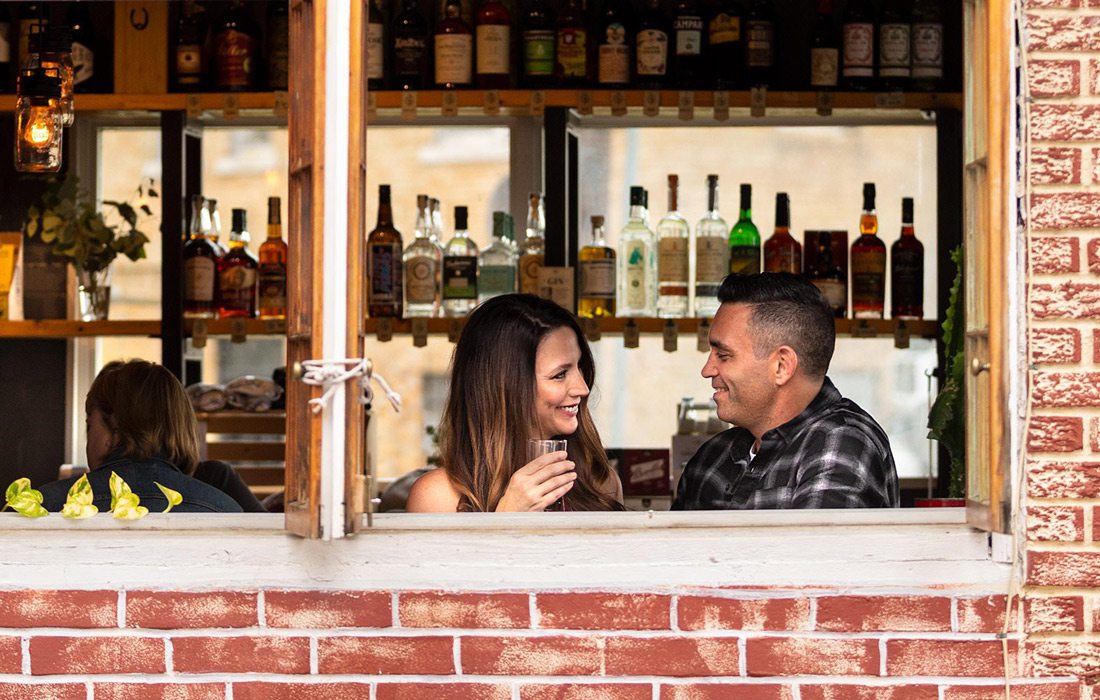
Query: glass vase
x,y
94,293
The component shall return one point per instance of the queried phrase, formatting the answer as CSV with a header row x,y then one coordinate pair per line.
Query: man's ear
x,y
785,365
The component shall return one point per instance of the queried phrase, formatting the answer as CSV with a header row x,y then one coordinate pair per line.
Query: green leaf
x,y
119,490
174,497
128,507
75,511
17,487
28,505
81,492
151,192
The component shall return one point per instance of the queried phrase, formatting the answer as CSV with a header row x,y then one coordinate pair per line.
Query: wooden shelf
x,y
214,102
861,328
61,328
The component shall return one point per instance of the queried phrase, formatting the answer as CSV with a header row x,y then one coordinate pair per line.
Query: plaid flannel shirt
x,y
832,455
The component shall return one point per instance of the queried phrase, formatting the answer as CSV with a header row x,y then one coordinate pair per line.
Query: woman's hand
x,y
539,483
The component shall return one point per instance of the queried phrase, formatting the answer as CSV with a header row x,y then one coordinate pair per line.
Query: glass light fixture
x,y
38,122
51,48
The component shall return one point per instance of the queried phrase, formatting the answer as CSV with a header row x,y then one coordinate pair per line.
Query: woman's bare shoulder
x,y
433,493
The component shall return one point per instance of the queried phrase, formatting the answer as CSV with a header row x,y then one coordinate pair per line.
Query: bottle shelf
x,y
855,328
219,103
61,328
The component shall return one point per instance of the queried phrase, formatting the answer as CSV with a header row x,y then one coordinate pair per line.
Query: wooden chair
x,y
254,443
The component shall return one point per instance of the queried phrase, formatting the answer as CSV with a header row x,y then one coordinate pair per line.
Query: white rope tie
x,y
332,373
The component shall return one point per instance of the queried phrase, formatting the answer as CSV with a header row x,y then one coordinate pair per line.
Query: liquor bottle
x,y
782,253
459,270
200,262
637,275
673,265
236,49
858,45
894,32
572,46
454,48
189,51
496,264
79,20
537,44
651,49
376,47
613,45
532,253
760,43
423,261
712,254
907,269
687,43
725,45
493,45
745,238
215,231
411,53
927,49
596,296
868,262
278,44
435,220
828,277
273,264
7,69
384,262
238,273
824,49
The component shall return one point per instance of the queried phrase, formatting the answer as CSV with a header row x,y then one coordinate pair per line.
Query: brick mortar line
x,y
1065,547
1063,502
663,634
1057,591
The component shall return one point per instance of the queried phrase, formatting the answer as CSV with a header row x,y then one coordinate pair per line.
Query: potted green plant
x,y
947,417
74,228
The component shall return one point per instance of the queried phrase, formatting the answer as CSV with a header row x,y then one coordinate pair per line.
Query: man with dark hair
x,y
796,442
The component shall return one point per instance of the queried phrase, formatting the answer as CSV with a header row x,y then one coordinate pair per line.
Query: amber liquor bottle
x,y
238,273
200,262
384,284
189,51
828,277
236,49
782,253
907,269
868,262
596,262
273,263
493,45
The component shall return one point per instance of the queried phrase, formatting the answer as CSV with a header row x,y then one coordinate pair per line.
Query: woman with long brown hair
x,y
522,369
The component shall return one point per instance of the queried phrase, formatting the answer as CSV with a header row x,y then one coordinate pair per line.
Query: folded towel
x,y
251,393
207,397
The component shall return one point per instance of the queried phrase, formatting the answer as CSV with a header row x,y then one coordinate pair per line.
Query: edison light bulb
x,y
40,129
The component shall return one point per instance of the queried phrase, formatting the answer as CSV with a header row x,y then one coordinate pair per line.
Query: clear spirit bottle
x,y
596,297
637,262
423,262
673,234
712,254
459,270
496,266
532,252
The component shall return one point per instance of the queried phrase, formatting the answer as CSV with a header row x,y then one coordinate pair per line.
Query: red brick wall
x,y
687,645
1061,607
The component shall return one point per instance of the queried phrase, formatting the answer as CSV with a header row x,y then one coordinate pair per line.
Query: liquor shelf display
x,y
62,328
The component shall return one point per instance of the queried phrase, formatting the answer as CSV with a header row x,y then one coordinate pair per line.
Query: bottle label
x,y
725,29
614,59
237,288
198,279
493,42
538,52
420,280
460,277
868,278
5,44
409,55
234,58
859,56
760,47
893,50
598,279
83,62
454,58
529,266
272,286
786,259
672,260
824,66
385,281
188,63
376,62
688,30
928,50
834,292
712,261
496,279
634,274
573,52
652,52
744,260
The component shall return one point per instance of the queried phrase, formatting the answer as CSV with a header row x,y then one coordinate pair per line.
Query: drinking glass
x,y
537,448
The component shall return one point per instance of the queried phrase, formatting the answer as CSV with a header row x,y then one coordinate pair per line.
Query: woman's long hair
x,y
149,411
491,405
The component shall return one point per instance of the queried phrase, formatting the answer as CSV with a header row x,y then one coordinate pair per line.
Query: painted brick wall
x,y
684,645
1061,610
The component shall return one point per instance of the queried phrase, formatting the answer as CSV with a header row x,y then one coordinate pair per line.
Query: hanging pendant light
x,y
52,49
38,126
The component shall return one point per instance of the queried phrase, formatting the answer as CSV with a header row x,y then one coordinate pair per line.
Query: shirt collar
x,y
827,396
